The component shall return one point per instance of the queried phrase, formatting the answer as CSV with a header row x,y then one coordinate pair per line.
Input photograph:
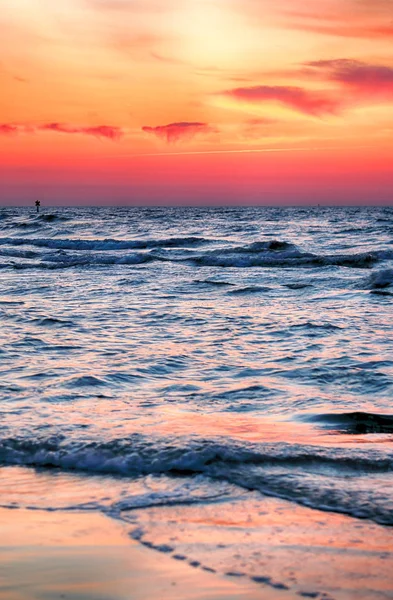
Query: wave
x,y
53,322
267,254
86,381
255,256
250,289
35,222
106,244
298,286
307,325
21,225
50,218
380,279
381,293
271,245
355,422
212,282
14,253
304,474
137,455
63,261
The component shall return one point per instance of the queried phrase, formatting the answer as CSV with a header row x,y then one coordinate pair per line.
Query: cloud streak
x,y
349,19
99,131
345,31
307,102
175,132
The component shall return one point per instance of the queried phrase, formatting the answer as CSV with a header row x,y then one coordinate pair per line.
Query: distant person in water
x,y
37,205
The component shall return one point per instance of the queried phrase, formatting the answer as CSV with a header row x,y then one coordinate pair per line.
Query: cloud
x,y
355,82
175,132
8,129
352,19
105,131
99,131
363,78
347,31
367,19
299,99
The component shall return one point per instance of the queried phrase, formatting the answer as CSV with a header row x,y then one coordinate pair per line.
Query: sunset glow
x,y
194,101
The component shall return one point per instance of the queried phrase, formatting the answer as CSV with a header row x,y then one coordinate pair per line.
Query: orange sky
x,y
185,101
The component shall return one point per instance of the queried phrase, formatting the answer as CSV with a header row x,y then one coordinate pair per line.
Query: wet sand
x,y
87,556
302,552
288,551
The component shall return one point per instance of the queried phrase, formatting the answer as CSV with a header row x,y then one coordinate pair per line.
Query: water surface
x,y
193,355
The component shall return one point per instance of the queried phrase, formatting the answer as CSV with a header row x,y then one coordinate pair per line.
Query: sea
x,y
182,358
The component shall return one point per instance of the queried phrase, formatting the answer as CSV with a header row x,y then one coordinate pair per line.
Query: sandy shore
x,y
87,556
259,547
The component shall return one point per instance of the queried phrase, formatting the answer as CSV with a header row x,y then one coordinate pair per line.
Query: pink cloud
x,y
363,78
105,131
99,131
175,132
8,129
302,100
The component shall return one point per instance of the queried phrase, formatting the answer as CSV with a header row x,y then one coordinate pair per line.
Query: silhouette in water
x,y
38,204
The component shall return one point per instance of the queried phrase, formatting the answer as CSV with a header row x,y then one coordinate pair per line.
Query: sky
x,y
196,102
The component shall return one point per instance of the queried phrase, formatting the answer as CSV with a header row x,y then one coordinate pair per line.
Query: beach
x,y
76,556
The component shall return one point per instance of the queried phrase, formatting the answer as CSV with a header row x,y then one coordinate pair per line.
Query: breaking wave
x,y
294,472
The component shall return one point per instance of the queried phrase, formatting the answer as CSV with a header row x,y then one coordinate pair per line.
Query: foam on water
x,y
305,474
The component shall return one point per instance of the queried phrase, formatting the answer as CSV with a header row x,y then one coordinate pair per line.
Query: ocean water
x,y
164,357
